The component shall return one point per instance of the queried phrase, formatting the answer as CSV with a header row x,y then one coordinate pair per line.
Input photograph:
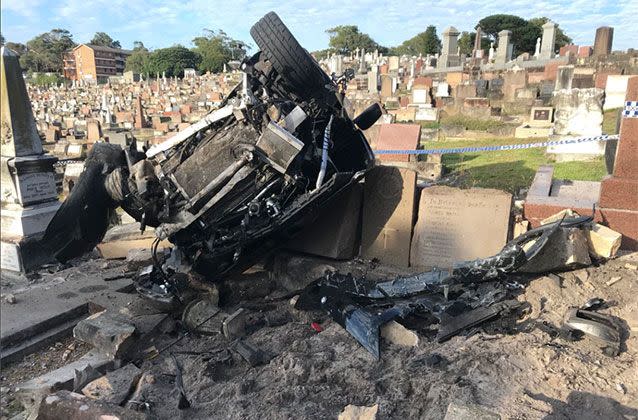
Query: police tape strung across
x,y
496,148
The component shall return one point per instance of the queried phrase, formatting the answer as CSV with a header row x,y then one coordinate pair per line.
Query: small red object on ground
x,y
317,327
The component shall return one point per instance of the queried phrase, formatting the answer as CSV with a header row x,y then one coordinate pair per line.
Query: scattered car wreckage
x,y
467,295
233,187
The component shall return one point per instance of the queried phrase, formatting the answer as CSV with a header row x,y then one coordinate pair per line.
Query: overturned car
x,y
240,181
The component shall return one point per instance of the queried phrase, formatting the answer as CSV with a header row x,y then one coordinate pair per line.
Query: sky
x,y
162,23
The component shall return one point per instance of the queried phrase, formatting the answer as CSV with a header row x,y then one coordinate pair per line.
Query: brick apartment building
x,y
94,62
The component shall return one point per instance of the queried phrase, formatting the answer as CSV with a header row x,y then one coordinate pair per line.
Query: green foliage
x,y
17,47
466,42
561,38
44,52
345,39
138,61
43,79
1,39
524,33
139,46
217,48
103,39
610,121
172,60
424,43
321,54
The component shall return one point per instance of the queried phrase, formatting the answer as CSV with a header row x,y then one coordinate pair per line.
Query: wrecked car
x,y
236,184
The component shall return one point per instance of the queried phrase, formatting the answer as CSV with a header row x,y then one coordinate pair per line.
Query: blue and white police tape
x,y
630,110
495,148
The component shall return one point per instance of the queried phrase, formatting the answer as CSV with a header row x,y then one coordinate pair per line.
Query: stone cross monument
x,y
29,196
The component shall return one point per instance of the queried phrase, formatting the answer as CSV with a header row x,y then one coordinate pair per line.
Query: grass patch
x,y
510,170
610,121
430,124
470,123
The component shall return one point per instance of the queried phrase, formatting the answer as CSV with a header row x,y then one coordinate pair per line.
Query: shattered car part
x,y
601,328
451,326
362,305
235,185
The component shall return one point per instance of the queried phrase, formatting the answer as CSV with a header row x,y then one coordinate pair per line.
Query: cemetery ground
x,y
518,367
509,170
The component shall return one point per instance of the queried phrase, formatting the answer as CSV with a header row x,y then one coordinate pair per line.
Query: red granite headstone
x,y
398,137
619,192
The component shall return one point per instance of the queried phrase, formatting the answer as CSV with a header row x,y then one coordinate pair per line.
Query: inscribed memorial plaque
x,y
457,225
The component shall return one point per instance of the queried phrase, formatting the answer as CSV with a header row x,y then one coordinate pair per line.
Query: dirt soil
x,y
517,367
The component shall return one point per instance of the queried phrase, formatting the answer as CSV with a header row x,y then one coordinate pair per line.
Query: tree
x,y
1,39
172,60
139,58
424,43
524,33
103,39
561,38
44,52
345,39
17,47
139,45
466,42
217,48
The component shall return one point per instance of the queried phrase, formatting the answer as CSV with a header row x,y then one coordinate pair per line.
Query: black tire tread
x,y
288,57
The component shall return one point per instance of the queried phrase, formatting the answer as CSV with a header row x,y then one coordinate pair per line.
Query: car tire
x,y
291,61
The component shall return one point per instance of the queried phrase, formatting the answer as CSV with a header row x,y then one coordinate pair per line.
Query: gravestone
x,y
457,225
449,51
578,113
495,89
388,214
386,85
546,90
29,196
603,41
398,137
442,90
505,48
481,88
564,77
541,116
548,42
373,82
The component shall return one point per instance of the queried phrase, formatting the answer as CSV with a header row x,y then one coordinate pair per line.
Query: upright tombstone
x,y
603,41
579,113
548,42
505,48
29,195
449,53
362,62
537,50
373,80
490,53
619,192
477,42
564,77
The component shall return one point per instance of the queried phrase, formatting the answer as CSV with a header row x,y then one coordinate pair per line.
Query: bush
x,y
45,79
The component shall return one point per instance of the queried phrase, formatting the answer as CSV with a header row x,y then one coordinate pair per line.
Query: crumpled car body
x,y
235,185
